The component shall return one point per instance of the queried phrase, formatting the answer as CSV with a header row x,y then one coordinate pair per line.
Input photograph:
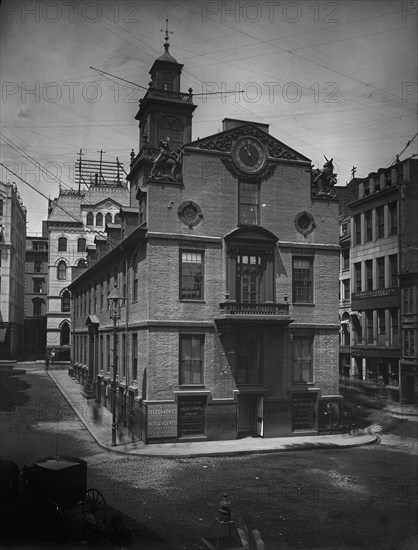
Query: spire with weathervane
x,y
165,111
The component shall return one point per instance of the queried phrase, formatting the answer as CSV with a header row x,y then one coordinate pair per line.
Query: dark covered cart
x,y
47,489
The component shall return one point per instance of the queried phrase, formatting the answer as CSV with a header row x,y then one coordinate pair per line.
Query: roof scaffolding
x,y
98,172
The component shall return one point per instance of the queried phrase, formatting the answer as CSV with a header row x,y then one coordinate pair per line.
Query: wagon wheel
x,y
95,504
56,526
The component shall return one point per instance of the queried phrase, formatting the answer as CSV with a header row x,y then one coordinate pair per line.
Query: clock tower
x,y
165,111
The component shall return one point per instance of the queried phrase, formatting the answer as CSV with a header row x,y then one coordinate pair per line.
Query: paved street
x,y
362,497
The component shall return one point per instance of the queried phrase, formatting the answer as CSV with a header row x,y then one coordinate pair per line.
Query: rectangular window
x,y
357,229
367,187
369,226
394,326
249,360
408,300
38,266
248,203
134,347
380,222
38,286
249,273
37,308
191,275
345,253
369,327
302,360
380,262
393,218
142,210
303,280
191,359
346,289
357,277
388,178
393,263
369,275
408,343
381,316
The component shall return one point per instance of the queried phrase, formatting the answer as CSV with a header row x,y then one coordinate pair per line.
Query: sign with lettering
x,y
303,411
192,415
161,420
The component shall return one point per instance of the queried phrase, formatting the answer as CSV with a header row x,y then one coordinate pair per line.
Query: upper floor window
x,y
99,219
168,81
118,219
393,217
346,289
249,270
368,224
191,275
90,218
62,244
302,280
38,266
367,187
408,300
357,277
61,270
142,209
393,263
345,257
1,207
302,359
65,334
380,263
369,275
81,245
248,208
380,222
66,301
409,344
191,359
388,178
38,285
357,229
134,354
171,128
37,307
135,282
108,218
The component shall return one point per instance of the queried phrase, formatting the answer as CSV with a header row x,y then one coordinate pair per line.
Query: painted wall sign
x,y
192,415
303,411
162,420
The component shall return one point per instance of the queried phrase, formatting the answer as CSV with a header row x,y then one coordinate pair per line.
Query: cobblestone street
x,y
329,499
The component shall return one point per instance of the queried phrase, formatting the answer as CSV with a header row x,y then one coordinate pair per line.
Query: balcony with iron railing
x,y
253,311
169,95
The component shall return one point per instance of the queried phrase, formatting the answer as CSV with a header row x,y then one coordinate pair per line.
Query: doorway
x,y
250,415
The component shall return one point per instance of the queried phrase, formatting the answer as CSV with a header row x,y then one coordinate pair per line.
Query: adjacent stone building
x,y
12,270
227,258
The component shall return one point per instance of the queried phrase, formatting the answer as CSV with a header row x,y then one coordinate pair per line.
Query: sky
x,y
330,78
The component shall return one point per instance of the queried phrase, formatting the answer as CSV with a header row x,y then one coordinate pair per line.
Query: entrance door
x,y
260,419
248,407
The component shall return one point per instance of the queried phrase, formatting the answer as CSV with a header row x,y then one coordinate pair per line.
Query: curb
x,y
297,447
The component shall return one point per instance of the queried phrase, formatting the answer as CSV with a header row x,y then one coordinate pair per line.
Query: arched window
x,y
82,262
99,219
90,218
108,218
62,244
66,301
81,245
172,129
61,271
65,334
118,219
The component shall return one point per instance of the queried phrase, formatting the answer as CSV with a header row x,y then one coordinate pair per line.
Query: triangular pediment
x,y
101,204
223,142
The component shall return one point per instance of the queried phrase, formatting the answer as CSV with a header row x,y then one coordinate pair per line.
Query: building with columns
x,y
228,263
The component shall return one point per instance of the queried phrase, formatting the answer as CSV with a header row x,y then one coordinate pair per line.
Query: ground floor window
x,y
191,359
304,411
191,416
302,359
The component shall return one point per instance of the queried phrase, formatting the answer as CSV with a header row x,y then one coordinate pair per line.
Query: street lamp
x,y
115,299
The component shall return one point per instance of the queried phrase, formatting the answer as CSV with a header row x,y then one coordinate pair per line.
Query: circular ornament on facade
x,y
190,213
248,155
305,223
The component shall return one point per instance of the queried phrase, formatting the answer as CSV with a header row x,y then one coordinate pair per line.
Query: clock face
x,y
248,154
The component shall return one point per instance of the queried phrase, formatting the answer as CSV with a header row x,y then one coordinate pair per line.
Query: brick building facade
x,y
228,265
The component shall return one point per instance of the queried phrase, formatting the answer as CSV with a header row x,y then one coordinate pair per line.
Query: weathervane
x,y
167,32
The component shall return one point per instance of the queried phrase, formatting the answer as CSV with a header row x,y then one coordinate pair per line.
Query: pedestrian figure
x,y
52,355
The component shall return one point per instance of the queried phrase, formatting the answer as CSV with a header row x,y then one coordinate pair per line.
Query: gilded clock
x,y
249,155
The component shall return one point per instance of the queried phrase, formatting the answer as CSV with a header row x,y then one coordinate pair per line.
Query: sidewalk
x,y
98,421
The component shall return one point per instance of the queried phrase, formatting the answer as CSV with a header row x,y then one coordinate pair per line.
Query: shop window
x,y
62,244
191,275
248,208
249,360
302,359
191,359
302,280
